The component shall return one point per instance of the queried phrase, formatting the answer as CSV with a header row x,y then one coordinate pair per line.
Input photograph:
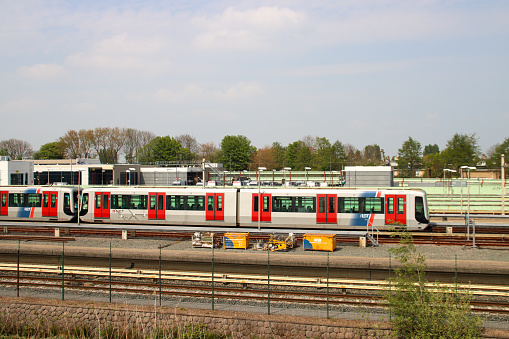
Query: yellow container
x,y
236,240
319,242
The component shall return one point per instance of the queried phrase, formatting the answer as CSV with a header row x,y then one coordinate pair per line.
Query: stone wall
x,y
33,312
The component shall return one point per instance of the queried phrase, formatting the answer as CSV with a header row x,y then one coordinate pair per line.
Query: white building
x,y
16,172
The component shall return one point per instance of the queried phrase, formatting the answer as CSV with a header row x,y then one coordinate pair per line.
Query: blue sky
x,y
361,72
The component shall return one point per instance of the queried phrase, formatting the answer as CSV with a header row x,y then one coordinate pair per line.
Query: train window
x,y
160,202
420,214
138,202
84,202
281,204
305,204
45,200
121,202
53,201
220,203
98,201
401,205
152,202
332,205
67,201
372,205
321,205
17,200
256,203
210,203
348,205
175,202
4,200
196,202
34,200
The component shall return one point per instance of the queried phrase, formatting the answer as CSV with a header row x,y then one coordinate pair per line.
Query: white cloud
x,y
42,71
122,52
246,30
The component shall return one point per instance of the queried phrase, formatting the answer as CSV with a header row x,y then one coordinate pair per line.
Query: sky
x,y
359,71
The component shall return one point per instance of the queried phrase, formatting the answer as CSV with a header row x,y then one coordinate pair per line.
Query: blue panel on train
x,y
24,212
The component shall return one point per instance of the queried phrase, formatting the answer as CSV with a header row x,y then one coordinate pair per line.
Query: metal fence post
x,y
212,277
63,273
268,281
17,273
160,294
327,285
110,273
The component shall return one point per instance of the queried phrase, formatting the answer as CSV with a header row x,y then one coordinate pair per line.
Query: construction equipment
x,y
206,240
278,242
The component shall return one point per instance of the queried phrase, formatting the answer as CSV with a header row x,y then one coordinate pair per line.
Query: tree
x,y
209,152
298,156
372,155
409,158
279,152
353,155
461,150
163,149
430,149
423,311
189,142
51,150
495,157
134,141
17,149
264,157
78,144
238,149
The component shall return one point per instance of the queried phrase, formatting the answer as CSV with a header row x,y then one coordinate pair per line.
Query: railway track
x,y
294,290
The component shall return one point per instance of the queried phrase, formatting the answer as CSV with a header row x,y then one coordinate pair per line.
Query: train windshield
x,y
420,211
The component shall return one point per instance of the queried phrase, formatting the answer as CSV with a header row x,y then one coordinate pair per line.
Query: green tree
x,y
238,149
409,158
422,310
298,156
430,149
51,150
461,150
372,155
495,157
279,151
163,149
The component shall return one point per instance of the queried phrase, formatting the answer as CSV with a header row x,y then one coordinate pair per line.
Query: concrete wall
x,y
236,324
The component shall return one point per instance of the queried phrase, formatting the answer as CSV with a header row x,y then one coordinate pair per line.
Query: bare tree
x,y
78,144
189,142
17,149
134,141
208,151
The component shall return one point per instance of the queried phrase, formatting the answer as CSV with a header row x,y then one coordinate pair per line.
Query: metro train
x,y
278,207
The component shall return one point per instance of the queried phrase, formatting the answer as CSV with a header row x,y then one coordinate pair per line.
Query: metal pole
x,y
17,273
160,291
473,233
212,272
268,281
503,183
63,277
110,273
327,285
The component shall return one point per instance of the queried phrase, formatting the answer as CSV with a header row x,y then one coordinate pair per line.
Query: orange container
x,y
236,240
319,242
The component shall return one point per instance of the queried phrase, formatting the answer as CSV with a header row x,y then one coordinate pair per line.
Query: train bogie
x,y
24,203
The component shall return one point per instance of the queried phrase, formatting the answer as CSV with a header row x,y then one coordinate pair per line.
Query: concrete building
x,y
15,172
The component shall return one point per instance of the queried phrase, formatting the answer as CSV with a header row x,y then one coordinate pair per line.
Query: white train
x,y
285,208
41,203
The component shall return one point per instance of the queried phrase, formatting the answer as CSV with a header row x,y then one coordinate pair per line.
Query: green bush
x,y
419,310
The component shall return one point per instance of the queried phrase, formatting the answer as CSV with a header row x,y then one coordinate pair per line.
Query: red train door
x,y
266,207
156,206
49,204
102,205
4,203
395,209
326,209
215,206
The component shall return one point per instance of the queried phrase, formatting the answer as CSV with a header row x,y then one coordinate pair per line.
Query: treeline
x,y
236,153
